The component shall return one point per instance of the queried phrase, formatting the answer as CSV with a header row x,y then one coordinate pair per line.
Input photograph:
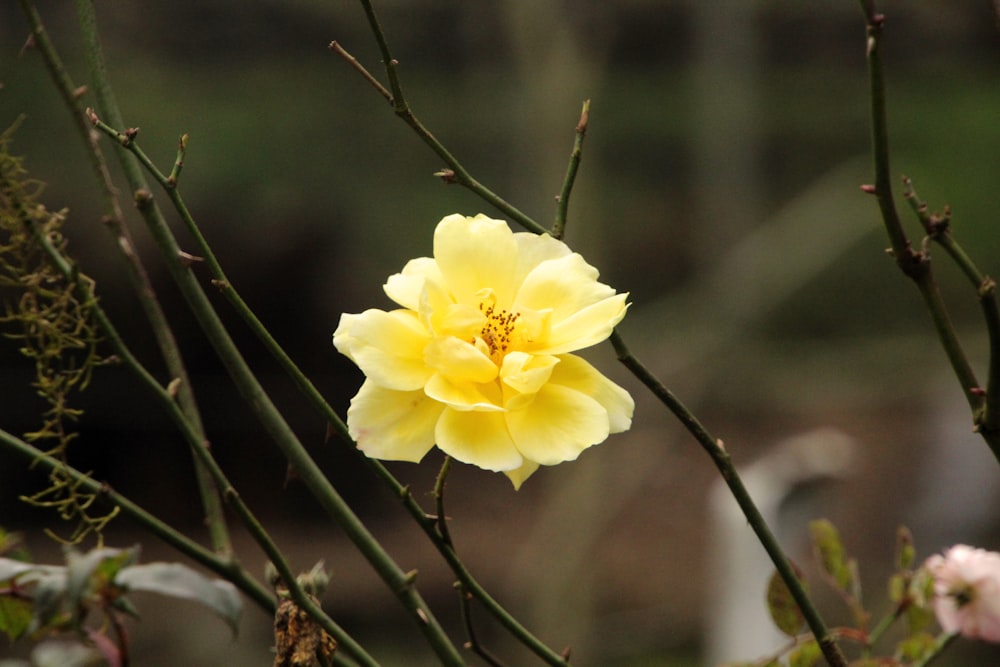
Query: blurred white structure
x,y
737,625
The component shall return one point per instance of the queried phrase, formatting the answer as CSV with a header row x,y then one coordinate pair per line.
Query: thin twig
x,y
455,172
720,457
243,377
562,201
142,285
938,228
166,399
984,403
221,565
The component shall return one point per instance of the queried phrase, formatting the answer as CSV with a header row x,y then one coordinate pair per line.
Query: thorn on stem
x,y
143,197
129,136
29,45
79,92
447,175
869,189
187,259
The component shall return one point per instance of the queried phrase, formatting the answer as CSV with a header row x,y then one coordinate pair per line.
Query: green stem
x,y
221,565
562,208
246,382
720,457
985,404
942,642
938,228
455,172
200,449
211,503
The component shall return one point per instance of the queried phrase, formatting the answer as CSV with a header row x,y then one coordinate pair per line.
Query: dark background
x,y
719,186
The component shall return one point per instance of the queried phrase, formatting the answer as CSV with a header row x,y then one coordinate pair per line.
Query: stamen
x,y
498,330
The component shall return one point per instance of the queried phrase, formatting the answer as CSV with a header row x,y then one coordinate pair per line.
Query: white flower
x,y
967,591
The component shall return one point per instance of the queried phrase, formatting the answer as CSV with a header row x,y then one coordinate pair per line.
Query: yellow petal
x,y
406,287
518,475
576,373
388,347
479,438
459,360
565,285
526,373
461,320
465,395
558,425
393,425
533,249
586,327
474,254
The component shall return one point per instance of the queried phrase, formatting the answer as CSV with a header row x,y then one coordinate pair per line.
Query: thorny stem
x,y
940,644
720,457
470,629
166,398
244,379
455,171
444,538
938,228
825,639
221,565
984,403
440,539
562,201
215,521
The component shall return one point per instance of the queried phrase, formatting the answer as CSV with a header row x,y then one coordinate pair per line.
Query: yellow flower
x,y
478,358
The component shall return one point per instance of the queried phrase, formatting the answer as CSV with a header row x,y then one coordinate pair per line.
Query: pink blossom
x,y
967,591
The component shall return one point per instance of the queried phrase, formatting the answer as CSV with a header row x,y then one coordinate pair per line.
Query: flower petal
x,y
465,395
565,284
387,347
475,254
586,327
576,373
393,425
533,249
558,425
518,475
406,287
479,438
526,373
459,360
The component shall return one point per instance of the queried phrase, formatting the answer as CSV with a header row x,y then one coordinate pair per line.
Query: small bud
x,y
143,197
446,175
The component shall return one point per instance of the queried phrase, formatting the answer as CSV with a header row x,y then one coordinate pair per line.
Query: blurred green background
x,y
719,186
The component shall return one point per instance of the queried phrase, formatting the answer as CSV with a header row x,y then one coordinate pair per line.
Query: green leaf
x,y
916,647
92,571
781,605
830,550
180,581
15,616
807,654
906,553
15,569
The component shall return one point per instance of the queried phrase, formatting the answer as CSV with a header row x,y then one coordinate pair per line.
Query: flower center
x,y
498,330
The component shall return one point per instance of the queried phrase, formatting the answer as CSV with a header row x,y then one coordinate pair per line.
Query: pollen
x,y
498,331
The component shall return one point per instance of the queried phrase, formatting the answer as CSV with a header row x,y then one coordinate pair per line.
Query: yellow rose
x,y
478,358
